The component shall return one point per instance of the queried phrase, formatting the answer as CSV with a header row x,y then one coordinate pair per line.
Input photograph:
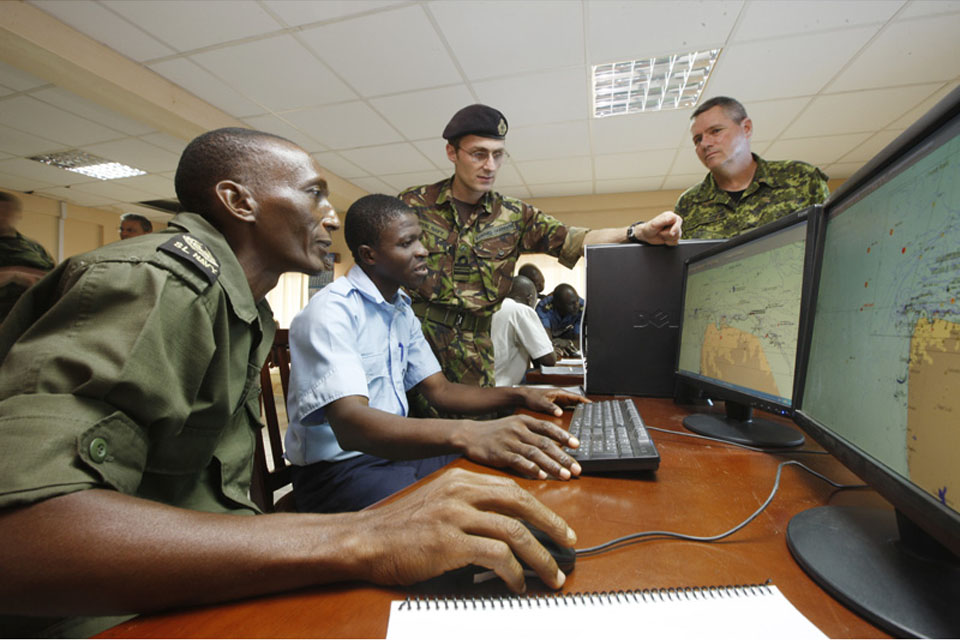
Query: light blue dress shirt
x,y
349,341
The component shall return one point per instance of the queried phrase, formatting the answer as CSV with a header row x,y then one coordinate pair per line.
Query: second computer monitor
x,y
742,312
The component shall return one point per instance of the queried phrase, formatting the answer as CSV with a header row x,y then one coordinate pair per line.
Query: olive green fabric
x,y
136,368
471,264
19,251
778,189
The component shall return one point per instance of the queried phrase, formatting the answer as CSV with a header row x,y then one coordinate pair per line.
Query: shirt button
x,y
98,450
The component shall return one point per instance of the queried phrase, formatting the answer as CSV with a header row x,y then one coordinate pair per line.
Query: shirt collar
x,y
360,281
232,278
445,196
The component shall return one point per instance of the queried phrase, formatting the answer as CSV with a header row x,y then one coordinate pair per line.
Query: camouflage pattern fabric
x,y
20,251
778,189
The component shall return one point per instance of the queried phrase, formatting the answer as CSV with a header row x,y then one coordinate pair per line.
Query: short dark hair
x,y
368,217
734,110
145,223
11,199
231,153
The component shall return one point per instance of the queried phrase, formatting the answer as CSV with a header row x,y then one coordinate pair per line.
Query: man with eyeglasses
x,y
474,237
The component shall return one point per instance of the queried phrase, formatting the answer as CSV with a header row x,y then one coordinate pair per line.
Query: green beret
x,y
477,120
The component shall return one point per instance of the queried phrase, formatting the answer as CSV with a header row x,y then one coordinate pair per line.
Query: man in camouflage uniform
x,y
22,261
474,237
742,190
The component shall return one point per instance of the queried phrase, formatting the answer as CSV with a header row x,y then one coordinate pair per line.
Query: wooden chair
x,y
266,480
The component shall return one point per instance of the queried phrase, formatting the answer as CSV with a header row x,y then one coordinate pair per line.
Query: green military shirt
x,y
19,251
471,265
778,188
135,368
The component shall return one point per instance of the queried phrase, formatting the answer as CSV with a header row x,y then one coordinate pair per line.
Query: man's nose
x,y
330,220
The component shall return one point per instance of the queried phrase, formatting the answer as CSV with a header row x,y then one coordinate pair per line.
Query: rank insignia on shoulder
x,y
187,248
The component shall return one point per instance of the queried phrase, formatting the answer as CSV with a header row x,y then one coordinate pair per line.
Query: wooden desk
x,y
700,489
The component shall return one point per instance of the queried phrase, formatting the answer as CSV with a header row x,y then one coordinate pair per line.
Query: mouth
x,y
420,269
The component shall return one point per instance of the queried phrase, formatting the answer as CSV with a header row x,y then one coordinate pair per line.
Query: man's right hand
x,y
528,446
459,519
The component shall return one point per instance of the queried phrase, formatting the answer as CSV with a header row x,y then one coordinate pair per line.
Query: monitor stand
x,y
741,427
883,567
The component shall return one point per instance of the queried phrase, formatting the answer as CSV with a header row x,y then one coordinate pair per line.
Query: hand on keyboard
x,y
549,400
531,447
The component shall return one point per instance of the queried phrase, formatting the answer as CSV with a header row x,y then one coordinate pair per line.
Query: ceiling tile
x,y
533,99
423,114
633,165
771,117
339,165
91,111
922,50
373,185
206,86
408,53
278,127
504,37
788,67
549,141
74,196
297,12
33,116
104,25
517,191
862,111
115,190
682,181
763,20
25,144
403,181
842,169
391,158
559,189
252,69
871,147
436,151
918,111
166,141
641,131
629,30
687,162
929,7
18,80
186,25
629,185
558,170
136,153
507,176
42,173
20,183
820,150
155,184
343,126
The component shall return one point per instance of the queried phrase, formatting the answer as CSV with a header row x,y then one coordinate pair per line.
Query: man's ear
x,y
747,127
451,153
367,254
237,200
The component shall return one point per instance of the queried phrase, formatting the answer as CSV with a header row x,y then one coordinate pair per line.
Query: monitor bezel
x,y
938,520
811,215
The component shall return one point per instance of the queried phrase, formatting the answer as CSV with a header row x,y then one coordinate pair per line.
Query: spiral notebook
x,y
747,611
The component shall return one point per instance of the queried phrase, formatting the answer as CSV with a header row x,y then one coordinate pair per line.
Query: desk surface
x,y
700,488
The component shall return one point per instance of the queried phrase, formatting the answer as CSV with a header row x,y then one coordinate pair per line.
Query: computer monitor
x,y
878,383
740,322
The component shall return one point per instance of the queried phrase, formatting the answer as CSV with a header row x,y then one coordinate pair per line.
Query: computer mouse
x,y
565,557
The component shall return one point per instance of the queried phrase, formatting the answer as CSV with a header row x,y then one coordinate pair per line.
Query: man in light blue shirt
x,y
357,348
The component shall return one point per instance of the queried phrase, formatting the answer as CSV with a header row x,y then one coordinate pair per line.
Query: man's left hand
x,y
666,228
550,400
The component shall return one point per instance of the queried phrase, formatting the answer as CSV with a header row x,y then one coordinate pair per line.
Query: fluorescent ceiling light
x,y
651,84
89,165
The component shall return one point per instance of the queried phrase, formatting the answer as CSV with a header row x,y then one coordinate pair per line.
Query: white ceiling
x,y
367,86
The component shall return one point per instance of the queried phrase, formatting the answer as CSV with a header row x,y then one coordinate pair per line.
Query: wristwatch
x,y
631,237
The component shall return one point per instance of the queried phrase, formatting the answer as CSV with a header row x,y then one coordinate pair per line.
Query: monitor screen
x,y
879,381
740,322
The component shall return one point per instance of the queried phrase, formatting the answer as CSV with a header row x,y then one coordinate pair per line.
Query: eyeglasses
x,y
480,156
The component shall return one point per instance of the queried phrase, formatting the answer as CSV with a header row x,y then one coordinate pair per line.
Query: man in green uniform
x,y
742,191
22,261
129,411
474,237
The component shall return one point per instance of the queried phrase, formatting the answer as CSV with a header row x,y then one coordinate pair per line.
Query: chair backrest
x,y
268,478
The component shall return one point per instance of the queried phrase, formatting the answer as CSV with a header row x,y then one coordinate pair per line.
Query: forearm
x,y
101,552
469,399
605,236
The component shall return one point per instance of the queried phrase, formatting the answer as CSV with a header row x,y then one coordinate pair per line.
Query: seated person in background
x,y
532,272
22,261
354,352
518,336
742,191
128,396
133,225
560,312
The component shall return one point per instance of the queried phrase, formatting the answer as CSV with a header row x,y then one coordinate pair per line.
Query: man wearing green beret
x,y
742,191
474,236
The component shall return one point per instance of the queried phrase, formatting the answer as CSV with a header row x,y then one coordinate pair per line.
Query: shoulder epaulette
x,y
187,248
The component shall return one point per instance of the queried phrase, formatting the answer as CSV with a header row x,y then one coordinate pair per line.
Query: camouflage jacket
x,y
778,188
471,265
19,251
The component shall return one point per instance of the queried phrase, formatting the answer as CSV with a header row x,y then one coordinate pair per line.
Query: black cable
x,y
682,536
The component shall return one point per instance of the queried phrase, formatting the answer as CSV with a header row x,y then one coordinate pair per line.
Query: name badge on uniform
x,y
187,248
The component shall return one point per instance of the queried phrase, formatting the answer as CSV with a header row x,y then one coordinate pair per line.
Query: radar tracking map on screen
x,y
741,312
885,355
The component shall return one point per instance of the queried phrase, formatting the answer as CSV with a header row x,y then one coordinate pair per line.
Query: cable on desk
x,y
736,444
682,536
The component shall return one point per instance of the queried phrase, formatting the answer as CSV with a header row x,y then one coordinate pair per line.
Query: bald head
x,y
565,299
534,274
523,291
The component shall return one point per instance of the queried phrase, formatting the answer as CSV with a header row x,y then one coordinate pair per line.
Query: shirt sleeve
x,y
98,376
531,333
325,360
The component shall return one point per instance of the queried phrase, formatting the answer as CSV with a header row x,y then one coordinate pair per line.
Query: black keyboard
x,y
612,437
